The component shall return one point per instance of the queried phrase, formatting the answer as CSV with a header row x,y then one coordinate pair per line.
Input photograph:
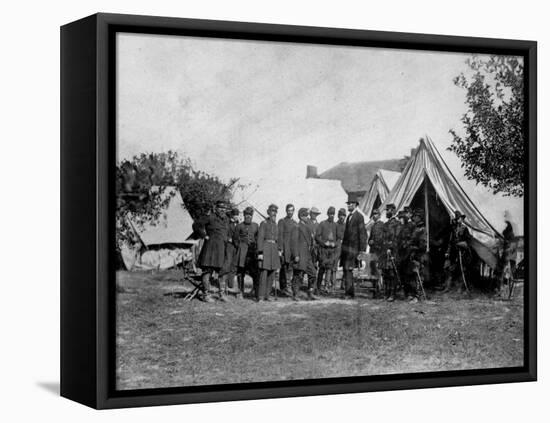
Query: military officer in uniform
x,y
214,230
388,262
285,227
402,258
376,248
314,224
246,261
228,270
340,227
301,246
416,256
353,243
325,238
457,256
269,253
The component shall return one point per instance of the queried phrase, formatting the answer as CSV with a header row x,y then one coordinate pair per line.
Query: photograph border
x,y
88,160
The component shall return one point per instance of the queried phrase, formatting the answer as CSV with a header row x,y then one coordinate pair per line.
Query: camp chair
x,y
194,279
198,286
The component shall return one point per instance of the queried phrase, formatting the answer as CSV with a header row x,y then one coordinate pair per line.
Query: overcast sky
x,y
251,109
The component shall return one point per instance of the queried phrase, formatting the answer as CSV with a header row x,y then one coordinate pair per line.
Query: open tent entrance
x,y
438,227
437,219
377,204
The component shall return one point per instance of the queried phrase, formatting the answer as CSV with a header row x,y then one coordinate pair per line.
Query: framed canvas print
x,y
254,211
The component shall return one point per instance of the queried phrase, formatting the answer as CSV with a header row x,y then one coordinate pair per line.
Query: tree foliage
x,y
492,149
141,190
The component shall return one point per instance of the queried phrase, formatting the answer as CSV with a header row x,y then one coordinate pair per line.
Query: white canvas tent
x,y
307,192
428,183
161,244
380,187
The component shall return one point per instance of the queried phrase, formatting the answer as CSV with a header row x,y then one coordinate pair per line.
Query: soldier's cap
x,y
248,211
272,207
402,213
221,204
234,212
458,214
314,210
375,211
331,210
407,209
303,212
342,212
390,206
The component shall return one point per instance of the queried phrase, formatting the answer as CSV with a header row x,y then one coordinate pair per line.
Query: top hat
x,y
353,198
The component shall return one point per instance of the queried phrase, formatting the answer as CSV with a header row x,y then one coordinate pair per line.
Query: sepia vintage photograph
x,y
291,211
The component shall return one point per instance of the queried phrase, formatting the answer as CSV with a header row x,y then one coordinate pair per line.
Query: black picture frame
x,y
87,209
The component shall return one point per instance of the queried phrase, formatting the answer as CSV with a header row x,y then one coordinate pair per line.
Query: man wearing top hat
x,y
325,238
285,226
214,230
353,243
389,262
268,253
301,247
246,261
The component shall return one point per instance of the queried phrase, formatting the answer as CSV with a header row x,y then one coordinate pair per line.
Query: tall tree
x,y
492,149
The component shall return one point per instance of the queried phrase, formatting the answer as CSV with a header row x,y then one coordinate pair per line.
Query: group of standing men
x,y
313,250
400,250
398,247
297,249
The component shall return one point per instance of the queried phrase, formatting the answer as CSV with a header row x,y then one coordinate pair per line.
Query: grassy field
x,y
164,341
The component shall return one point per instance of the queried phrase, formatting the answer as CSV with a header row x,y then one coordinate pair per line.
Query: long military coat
x,y
229,264
268,245
355,240
212,254
376,237
245,239
301,246
417,248
391,231
404,236
326,232
285,227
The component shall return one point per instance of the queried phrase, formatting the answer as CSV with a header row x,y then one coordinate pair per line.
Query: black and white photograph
x,y
290,211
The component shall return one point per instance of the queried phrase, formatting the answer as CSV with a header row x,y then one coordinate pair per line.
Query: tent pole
x,y
426,213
